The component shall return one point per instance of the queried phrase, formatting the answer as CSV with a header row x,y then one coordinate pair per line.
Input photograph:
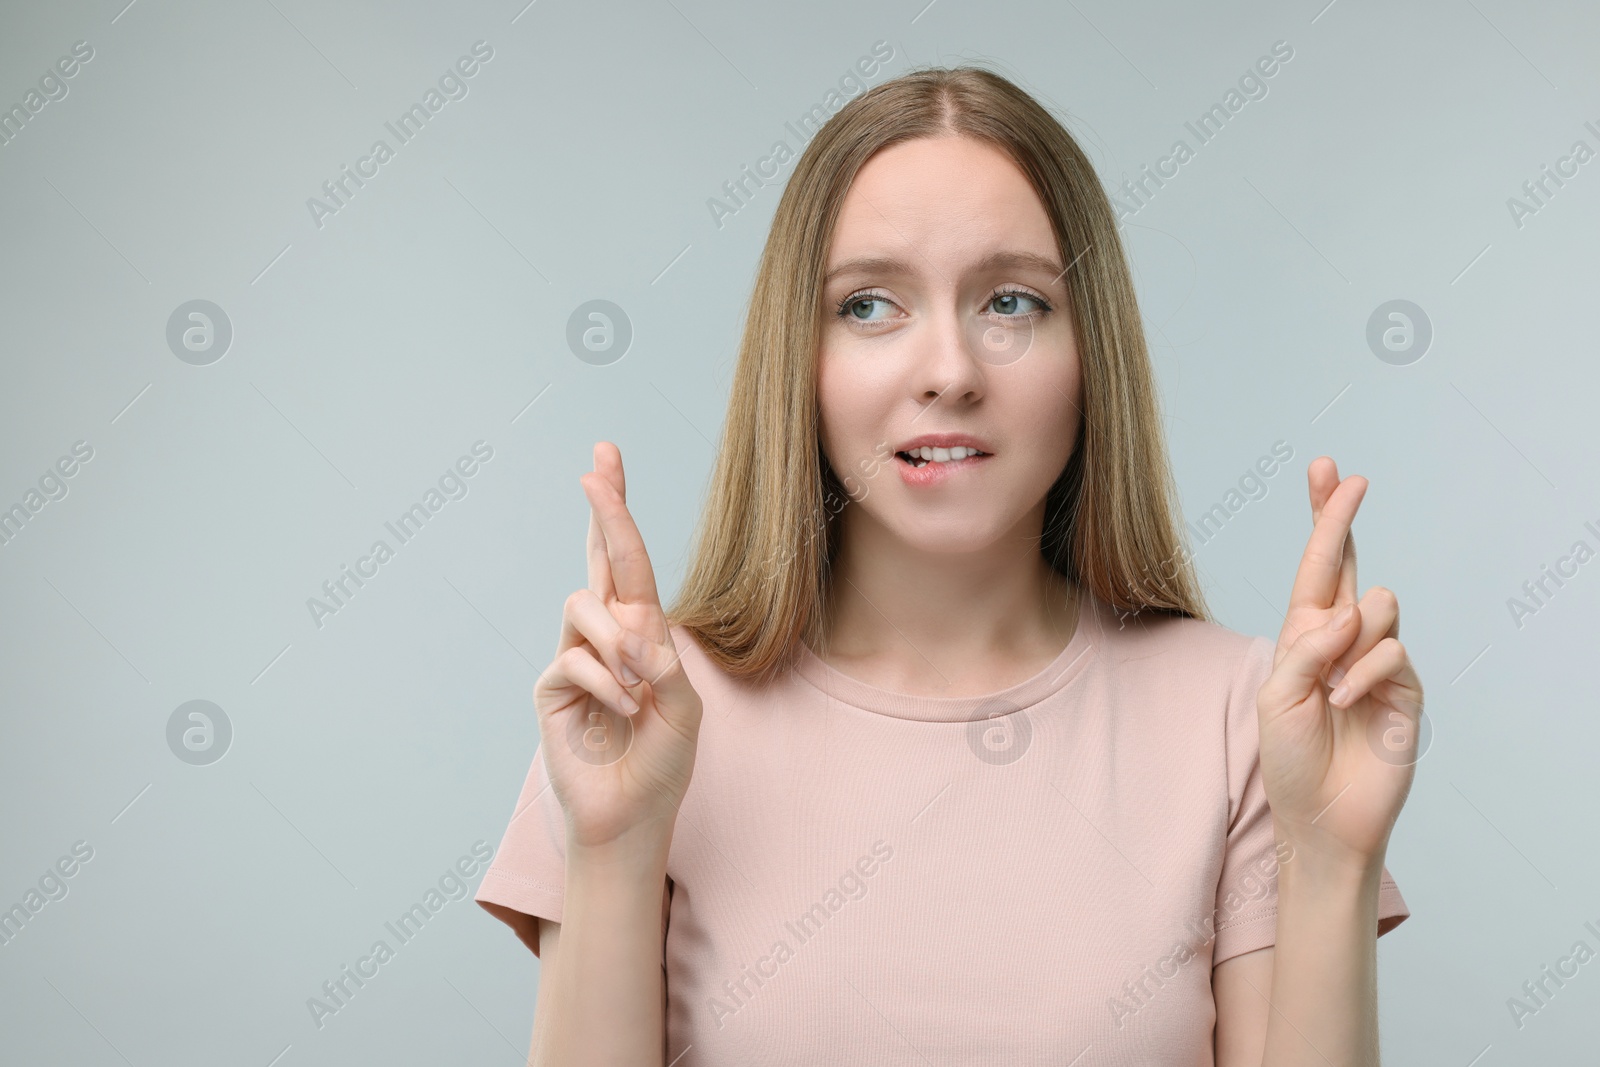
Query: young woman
x,y
938,758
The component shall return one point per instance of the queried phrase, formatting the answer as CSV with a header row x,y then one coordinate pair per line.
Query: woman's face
x,y
955,327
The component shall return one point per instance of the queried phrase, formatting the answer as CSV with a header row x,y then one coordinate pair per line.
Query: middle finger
x,y
599,564
1322,488
1320,576
632,575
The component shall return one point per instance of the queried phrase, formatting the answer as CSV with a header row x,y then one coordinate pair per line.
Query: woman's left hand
x,y
1337,766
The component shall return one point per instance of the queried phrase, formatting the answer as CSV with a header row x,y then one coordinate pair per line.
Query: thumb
x,y
1311,657
661,665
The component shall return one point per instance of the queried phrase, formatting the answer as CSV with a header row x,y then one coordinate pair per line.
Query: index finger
x,y
1317,579
634,580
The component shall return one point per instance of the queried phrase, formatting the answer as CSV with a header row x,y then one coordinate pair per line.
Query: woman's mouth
x,y
939,465
922,457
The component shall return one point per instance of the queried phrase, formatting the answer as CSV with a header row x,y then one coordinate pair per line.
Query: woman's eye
x,y
1009,304
853,307
1006,303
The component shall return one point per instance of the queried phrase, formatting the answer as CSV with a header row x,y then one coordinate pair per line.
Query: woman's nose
x,y
958,350
948,366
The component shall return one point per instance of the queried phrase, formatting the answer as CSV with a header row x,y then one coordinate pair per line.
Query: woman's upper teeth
x,y
943,455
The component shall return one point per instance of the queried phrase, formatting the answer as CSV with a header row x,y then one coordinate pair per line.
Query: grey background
x,y
431,311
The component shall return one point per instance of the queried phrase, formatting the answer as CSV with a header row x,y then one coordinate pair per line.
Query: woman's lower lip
x,y
932,473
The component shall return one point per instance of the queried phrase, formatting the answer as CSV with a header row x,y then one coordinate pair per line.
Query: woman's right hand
x,y
619,769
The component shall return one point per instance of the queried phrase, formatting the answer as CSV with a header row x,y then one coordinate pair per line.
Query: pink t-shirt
x,y
861,876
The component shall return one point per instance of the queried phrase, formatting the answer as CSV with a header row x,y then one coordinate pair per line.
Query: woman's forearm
x,y
600,996
1324,1001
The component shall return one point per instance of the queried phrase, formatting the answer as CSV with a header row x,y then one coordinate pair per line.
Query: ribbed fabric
x,y
862,876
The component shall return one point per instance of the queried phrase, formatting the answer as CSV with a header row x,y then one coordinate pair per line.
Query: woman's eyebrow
x,y
994,261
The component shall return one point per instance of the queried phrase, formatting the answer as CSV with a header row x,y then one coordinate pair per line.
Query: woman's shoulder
x,y
1203,645
1164,658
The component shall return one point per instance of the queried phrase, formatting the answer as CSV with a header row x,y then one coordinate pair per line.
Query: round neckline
x,y
1055,676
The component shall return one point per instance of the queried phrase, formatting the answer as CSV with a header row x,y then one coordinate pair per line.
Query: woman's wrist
x,y
1308,869
636,858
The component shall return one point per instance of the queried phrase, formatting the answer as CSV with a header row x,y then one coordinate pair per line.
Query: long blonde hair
x,y
758,578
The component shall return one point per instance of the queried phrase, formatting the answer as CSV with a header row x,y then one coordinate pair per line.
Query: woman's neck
x,y
947,625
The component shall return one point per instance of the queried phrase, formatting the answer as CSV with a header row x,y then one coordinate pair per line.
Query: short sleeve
x,y
1246,915
528,876
527,879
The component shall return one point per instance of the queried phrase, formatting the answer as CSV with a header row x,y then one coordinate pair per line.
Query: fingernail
x,y
1339,695
628,677
630,704
1342,619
